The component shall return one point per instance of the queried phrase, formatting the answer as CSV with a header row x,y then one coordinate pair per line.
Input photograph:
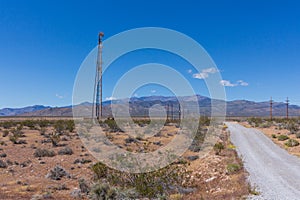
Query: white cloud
x,y
189,71
229,84
211,70
153,91
205,73
243,83
59,96
110,98
200,75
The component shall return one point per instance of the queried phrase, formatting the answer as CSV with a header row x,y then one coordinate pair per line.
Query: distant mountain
x,y
139,106
19,111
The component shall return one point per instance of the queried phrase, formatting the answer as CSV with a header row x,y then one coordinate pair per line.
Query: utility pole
x,y
271,108
287,108
168,112
172,117
179,112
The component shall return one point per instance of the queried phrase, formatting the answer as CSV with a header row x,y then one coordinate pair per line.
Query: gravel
x,y
272,170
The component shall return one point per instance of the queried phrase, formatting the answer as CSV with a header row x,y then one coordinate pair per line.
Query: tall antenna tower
x,y
98,80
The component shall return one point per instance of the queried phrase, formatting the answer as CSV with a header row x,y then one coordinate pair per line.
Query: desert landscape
x,y
149,100
45,159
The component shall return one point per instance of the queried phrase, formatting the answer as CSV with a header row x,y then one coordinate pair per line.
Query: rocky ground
x,y
29,153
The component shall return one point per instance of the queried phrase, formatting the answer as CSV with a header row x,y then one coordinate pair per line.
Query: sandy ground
x,y
26,176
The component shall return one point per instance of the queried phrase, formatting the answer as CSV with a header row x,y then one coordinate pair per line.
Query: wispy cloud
x,y
189,71
110,98
59,96
227,83
153,91
205,73
243,83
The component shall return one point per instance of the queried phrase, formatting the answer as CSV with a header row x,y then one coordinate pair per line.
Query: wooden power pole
x,y
271,108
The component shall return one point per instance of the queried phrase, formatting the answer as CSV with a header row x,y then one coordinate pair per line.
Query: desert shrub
x,y
5,133
57,173
149,184
218,147
204,121
255,121
282,137
292,143
198,140
55,139
130,140
13,139
82,161
273,136
65,151
100,170
43,153
61,187
18,132
253,190
43,131
142,122
292,127
84,187
231,146
2,164
59,126
103,191
233,168
192,158
3,155
8,124
265,125
113,127
298,135
29,123
43,123
70,125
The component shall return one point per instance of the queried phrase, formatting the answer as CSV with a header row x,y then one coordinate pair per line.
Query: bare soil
x,y
26,175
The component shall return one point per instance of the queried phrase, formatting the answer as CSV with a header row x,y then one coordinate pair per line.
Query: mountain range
x,y
139,106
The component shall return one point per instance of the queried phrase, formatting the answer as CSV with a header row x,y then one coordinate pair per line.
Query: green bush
x,y
233,168
5,133
100,170
102,191
113,127
55,139
292,143
204,121
274,136
282,137
218,147
151,184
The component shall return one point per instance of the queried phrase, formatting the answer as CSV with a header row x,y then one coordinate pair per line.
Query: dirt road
x,y
275,172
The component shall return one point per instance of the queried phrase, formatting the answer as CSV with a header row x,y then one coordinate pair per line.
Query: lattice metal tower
x,y
98,80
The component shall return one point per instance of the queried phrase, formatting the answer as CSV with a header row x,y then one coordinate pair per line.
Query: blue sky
x,y
43,43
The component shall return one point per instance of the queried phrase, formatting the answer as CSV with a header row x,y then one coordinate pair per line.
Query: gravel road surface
x,y
274,172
